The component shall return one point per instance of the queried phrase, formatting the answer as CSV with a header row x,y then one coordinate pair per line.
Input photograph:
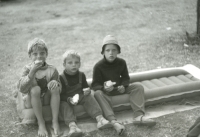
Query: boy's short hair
x,y
36,43
70,53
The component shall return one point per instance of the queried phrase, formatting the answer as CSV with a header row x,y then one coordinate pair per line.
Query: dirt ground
x,y
151,34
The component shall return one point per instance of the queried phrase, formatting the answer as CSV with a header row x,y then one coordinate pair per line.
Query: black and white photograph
x,y
99,68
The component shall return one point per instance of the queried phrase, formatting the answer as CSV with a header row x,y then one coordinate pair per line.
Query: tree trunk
x,y
198,17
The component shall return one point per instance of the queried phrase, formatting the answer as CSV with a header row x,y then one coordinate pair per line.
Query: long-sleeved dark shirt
x,y
116,72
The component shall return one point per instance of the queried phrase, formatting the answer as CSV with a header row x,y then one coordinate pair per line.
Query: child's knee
x,y
27,101
98,93
140,87
89,97
35,91
55,91
134,89
64,105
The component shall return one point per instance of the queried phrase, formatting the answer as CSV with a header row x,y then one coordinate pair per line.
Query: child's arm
x,y
27,79
97,80
55,81
86,89
25,82
125,76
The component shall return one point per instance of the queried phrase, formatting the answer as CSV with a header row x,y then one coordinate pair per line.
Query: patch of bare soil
x,y
151,35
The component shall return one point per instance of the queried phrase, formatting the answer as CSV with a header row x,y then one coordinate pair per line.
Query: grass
x,y
172,125
151,34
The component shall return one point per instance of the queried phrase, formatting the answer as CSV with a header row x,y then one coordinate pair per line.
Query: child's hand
x,y
86,91
70,99
37,65
108,89
108,85
52,84
72,102
121,89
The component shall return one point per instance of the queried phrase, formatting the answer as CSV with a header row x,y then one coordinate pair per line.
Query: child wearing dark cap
x,y
111,78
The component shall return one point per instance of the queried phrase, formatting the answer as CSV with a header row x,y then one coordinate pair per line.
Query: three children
x,y
40,85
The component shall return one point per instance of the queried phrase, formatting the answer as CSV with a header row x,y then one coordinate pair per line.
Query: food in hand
x,y
86,89
75,98
38,61
109,83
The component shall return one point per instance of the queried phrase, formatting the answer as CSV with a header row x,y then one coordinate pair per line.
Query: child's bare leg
x,y
37,108
28,101
55,103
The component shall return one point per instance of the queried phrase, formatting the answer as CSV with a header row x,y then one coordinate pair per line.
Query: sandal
x,y
103,123
56,135
75,131
119,128
142,121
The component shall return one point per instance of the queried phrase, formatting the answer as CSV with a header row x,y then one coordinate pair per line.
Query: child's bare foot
x,y
42,131
56,128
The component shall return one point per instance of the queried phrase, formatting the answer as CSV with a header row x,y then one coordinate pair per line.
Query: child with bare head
x,y
75,91
40,85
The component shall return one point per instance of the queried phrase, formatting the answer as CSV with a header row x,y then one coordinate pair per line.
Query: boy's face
x,y
38,54
72,65
110,52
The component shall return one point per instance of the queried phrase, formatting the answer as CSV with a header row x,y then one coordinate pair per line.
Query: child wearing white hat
x,y
114,69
